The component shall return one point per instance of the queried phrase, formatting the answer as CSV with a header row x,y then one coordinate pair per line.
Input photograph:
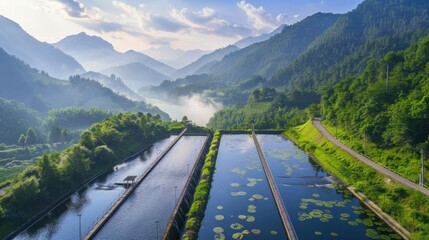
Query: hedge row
x,y
196,213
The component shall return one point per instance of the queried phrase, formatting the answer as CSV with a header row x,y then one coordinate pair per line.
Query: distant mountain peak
x,y
84,41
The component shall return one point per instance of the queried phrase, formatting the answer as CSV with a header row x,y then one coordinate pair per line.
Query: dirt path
x,y
367,161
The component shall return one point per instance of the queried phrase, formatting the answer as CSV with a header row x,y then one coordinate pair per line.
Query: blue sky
x,y
184,24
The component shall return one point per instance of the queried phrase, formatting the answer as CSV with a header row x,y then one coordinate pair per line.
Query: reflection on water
x,y
318,207
91,202
152,203
241,204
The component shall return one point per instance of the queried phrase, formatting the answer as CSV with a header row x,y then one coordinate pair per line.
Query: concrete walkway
x,y
317,123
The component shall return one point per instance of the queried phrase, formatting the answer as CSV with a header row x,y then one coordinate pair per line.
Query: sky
x,y
182,24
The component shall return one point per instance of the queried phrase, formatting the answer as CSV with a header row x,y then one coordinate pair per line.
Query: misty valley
x,y
214,120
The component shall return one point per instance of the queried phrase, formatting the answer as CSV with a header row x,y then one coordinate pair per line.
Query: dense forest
x,y
388,105
374,28
268,109
102,145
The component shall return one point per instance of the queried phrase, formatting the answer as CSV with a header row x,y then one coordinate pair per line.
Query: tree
x,y
22,139
185,119
66,135
31,137
48,173
54,135
76,165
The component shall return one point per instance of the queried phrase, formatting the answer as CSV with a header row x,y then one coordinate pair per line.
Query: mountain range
x,y
176,58
43,56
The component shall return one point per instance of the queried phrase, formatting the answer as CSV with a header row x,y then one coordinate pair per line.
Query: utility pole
x,y
422,175
80,226
387,79
364,142
157,223
336,129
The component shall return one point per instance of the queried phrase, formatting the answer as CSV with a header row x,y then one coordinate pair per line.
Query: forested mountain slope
x,y
393,111
371,30
41,92
266,57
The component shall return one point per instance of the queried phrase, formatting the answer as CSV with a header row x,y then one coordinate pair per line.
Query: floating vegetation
x,y
345,215
304,216
334,234
256,231
328,216
242,217
237,235
368,222
386,237
273,232
325,220
265,198
250,219
318,233
251,199
239,171
315,195
257,196
245,232
353,223
219,207
321,203
251,209
371,233
219,217
235,184
219,236
218,230
240,193
316,213
303,205
236,226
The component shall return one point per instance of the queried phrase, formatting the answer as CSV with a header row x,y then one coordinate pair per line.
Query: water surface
x,y
319,209
241,204
145,214
91,202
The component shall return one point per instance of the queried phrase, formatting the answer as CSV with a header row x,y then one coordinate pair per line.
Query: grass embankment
x,y
196,213
409,207
403,160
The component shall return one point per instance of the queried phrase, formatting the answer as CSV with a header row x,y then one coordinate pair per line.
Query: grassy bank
x,y
410,208
404,160
196,213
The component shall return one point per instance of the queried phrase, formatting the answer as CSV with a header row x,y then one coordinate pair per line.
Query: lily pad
x,y
257,196
237,236
219,217
218,230
219,236
273,232
235,184
318,233
242,217
315,195
256,231
219,207
334,234
236,226
250,219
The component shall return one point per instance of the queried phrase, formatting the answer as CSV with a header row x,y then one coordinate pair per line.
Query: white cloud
x,y
261,21
73,8
208,22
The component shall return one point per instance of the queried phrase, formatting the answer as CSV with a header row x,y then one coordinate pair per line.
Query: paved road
x,y
369,162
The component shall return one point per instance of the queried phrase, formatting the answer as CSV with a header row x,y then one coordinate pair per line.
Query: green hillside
x,y
374,28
